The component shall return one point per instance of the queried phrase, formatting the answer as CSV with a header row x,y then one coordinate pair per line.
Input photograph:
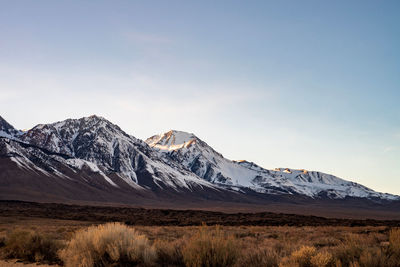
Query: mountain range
x,y
91,160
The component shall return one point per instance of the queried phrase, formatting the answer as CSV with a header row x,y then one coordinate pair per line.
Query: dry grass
x,y
111,244
210,248
394,248
169,253
216,246
350,249
31,246
394,241
308,256
263,257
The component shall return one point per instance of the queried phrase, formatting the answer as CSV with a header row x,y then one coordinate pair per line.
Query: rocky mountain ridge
x,y
97,144
97,154
195,155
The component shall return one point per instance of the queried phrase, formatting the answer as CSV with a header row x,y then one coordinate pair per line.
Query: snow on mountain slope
x,y
7,130
198,157
193,154
33,159
107,149
93,146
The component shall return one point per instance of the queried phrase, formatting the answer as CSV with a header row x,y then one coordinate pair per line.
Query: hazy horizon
x,y
311,85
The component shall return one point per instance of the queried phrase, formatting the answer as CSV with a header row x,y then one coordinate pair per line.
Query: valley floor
x,y
173,217
253,239
254,245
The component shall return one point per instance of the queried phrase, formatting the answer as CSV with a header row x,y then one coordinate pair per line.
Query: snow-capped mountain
x,y
95,143
198,157
7,130
92,159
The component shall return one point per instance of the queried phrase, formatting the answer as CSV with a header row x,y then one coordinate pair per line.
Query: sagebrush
x,y
111,244
211,248
31,246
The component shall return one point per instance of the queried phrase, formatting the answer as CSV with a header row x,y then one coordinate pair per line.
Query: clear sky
x,y
299,84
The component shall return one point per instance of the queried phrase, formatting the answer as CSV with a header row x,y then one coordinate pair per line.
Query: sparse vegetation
x,y
394,248
211,248
111,244
31,246
169,253
308,256
256,257
116,244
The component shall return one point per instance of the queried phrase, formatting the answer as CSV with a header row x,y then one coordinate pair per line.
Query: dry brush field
x,y
97,242
76,243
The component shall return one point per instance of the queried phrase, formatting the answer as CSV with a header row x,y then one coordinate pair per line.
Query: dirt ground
x,y
16,263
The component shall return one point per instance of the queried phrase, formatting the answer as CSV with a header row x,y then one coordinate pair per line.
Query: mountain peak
x,y
73,136
7,130
4,125
171,140
95,117
90,123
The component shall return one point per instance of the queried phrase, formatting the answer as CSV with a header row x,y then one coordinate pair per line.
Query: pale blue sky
x,y
300,84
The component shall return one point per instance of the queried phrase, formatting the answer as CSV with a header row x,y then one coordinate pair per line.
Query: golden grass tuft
x,y
259,258
303,256
210,248
111,244
31,246
350,250
394,240
169,253
393,251
322,259
308,256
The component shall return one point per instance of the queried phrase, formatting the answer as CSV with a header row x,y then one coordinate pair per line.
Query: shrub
x,y
373,257
210,249
259,258
394,241
350,250
303,256
31,246
169,253
322,259
111,244
308,256
394,248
